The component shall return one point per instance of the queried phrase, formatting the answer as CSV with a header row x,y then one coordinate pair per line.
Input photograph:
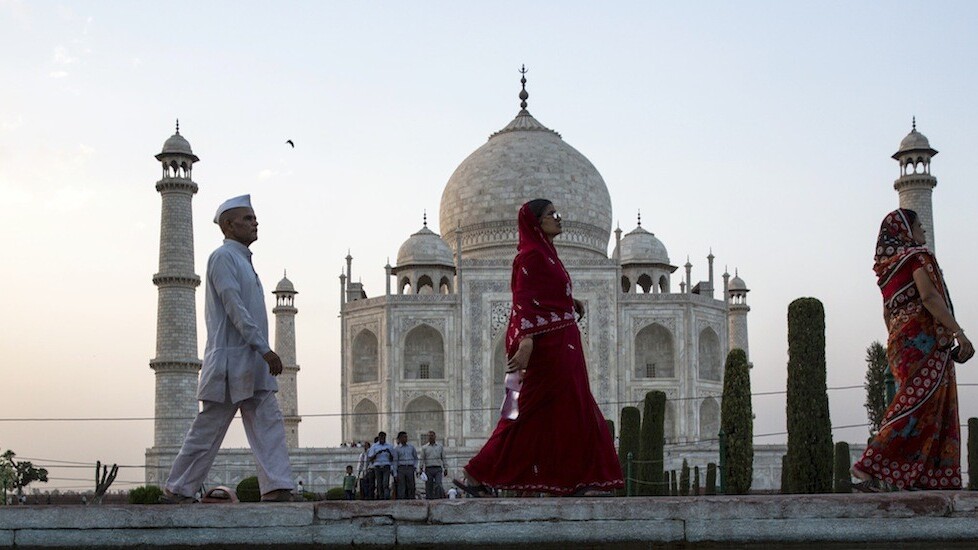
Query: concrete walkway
x,y
569,522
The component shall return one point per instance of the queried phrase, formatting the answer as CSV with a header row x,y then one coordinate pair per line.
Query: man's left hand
x,y
274,363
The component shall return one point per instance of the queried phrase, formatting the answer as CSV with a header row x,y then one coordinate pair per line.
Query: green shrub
x,y
809,427
336,493
711,479
248,491
737,422
673,484
684,479
843,479
628,442
148,494
653,481
696,481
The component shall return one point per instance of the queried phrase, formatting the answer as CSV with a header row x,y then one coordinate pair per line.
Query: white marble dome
x,y
737,284
639,246
425,248
285,285
524,161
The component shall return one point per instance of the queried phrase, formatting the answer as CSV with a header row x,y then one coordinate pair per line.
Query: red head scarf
x,y
542,299
895,244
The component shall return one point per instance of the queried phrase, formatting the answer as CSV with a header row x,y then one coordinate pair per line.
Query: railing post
x,y
722,466
628,474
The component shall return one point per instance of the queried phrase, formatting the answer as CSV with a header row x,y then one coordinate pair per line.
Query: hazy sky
x,y
761,129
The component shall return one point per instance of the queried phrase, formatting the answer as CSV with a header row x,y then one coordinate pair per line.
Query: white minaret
x,y
288,398
915,184
737,313
176,363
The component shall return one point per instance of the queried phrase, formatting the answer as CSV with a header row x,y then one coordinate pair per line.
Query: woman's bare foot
x,y
860,475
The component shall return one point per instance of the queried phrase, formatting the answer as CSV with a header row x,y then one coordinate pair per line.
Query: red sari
x,y
919,444
559,442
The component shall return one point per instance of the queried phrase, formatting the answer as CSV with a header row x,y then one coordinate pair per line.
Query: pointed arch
x,y
425,285
423,414
663,284
626,284
404,286
709,355
365,421
365,357
709,419
655,355
644,282
445,286
424,354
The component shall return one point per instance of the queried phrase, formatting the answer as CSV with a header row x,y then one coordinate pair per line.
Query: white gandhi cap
x,y
244,201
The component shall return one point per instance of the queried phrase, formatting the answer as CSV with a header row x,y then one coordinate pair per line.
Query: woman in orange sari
x,y
918,445
554,439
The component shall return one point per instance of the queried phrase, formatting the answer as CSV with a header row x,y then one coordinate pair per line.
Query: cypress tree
x,y
673,484
876,369
842,482
809,427
696,481
650,452
785,485
628,442
711,479
684,480
973,454
737,422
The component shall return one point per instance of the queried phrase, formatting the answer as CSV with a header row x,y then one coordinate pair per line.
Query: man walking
x,y
381,455
433,467
405,464
239,368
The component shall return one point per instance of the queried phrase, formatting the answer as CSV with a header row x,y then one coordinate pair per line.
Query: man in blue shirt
x,y
381,455
405,466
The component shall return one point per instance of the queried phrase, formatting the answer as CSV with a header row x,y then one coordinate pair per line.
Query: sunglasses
x,y
553,215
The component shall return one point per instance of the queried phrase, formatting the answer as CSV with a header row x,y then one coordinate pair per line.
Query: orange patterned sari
x,y
919,444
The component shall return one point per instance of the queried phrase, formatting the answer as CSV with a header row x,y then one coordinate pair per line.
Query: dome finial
x,y
914,123
178,126
640,218
523,93
426,217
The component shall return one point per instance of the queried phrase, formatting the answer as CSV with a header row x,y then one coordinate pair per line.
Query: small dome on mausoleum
x,y
425,248
639,246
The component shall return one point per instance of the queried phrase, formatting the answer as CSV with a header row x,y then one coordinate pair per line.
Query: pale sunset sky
x,y
760,130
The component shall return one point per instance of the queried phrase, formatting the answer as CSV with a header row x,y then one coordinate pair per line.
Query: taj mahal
x,y
427,353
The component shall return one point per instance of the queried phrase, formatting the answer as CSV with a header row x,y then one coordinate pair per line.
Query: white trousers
x,y
265,429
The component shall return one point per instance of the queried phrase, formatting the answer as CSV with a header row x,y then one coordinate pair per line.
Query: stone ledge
x,y
573,522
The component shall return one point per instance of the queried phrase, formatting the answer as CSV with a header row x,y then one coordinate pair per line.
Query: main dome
x,y
524,161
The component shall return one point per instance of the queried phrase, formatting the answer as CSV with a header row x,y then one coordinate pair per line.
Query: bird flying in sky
x,y
290,143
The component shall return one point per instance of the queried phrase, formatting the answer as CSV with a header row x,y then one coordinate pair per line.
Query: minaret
x,y
915,184
176,363
288,398
737,313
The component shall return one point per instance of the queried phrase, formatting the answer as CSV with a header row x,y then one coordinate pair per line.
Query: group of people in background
x,y
381,465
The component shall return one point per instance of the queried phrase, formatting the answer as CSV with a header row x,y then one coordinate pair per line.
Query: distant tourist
x,y
452,492
381,456
433,467
365,473
349,483
405,466
239,368
556,440
919,444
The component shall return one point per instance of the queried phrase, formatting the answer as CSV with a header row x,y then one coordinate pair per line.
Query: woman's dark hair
x,y
911,216
537,206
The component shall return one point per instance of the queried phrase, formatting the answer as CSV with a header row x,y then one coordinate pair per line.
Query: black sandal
x,y
475,491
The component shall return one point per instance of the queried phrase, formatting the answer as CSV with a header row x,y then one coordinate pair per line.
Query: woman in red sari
x,y
556,440
918,445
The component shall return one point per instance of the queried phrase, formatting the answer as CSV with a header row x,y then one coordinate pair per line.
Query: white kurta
x,y
237,328
234,378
